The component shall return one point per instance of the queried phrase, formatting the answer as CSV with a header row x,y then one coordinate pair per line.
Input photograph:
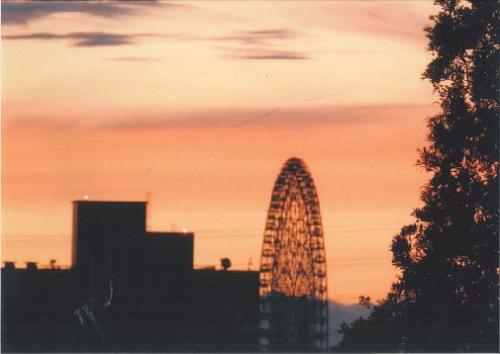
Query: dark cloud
x,y
258,37
102,39
86,39
23,12
260,44
250,45
266,54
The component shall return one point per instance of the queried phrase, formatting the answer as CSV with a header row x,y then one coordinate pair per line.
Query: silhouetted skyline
x,y
195,103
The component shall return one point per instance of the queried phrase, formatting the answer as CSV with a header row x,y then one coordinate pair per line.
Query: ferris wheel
x,y
293,281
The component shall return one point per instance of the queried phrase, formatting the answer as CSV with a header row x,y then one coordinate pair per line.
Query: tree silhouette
x,y
53,264
446,297
225,263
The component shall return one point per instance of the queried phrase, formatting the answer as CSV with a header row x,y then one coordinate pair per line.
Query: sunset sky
x,y
200,104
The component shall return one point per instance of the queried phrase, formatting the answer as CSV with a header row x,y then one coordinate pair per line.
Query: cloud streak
x,y
258,36
256,44
266,54
326,115
396,20
24,12
87,39
263,44
135,59
248,45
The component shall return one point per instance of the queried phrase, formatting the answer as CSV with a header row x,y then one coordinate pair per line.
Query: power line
x,y
260,231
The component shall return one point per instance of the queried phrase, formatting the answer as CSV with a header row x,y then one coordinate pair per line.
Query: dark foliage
x,y
446,297
225,263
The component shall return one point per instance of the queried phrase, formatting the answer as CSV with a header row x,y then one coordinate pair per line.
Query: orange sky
x,y
200,103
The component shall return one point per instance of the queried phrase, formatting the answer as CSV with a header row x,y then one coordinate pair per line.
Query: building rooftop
x,y
108,202
170,233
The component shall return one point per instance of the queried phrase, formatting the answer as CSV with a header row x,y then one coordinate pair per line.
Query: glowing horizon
x,y
199,104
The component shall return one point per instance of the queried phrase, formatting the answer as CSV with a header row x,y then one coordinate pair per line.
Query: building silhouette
x,y
128,290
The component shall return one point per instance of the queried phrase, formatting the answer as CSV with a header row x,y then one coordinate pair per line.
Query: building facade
x,y
128,290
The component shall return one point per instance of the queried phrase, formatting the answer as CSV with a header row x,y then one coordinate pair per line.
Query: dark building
x,y
128,290
37,311
107,231
226,307
155,257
